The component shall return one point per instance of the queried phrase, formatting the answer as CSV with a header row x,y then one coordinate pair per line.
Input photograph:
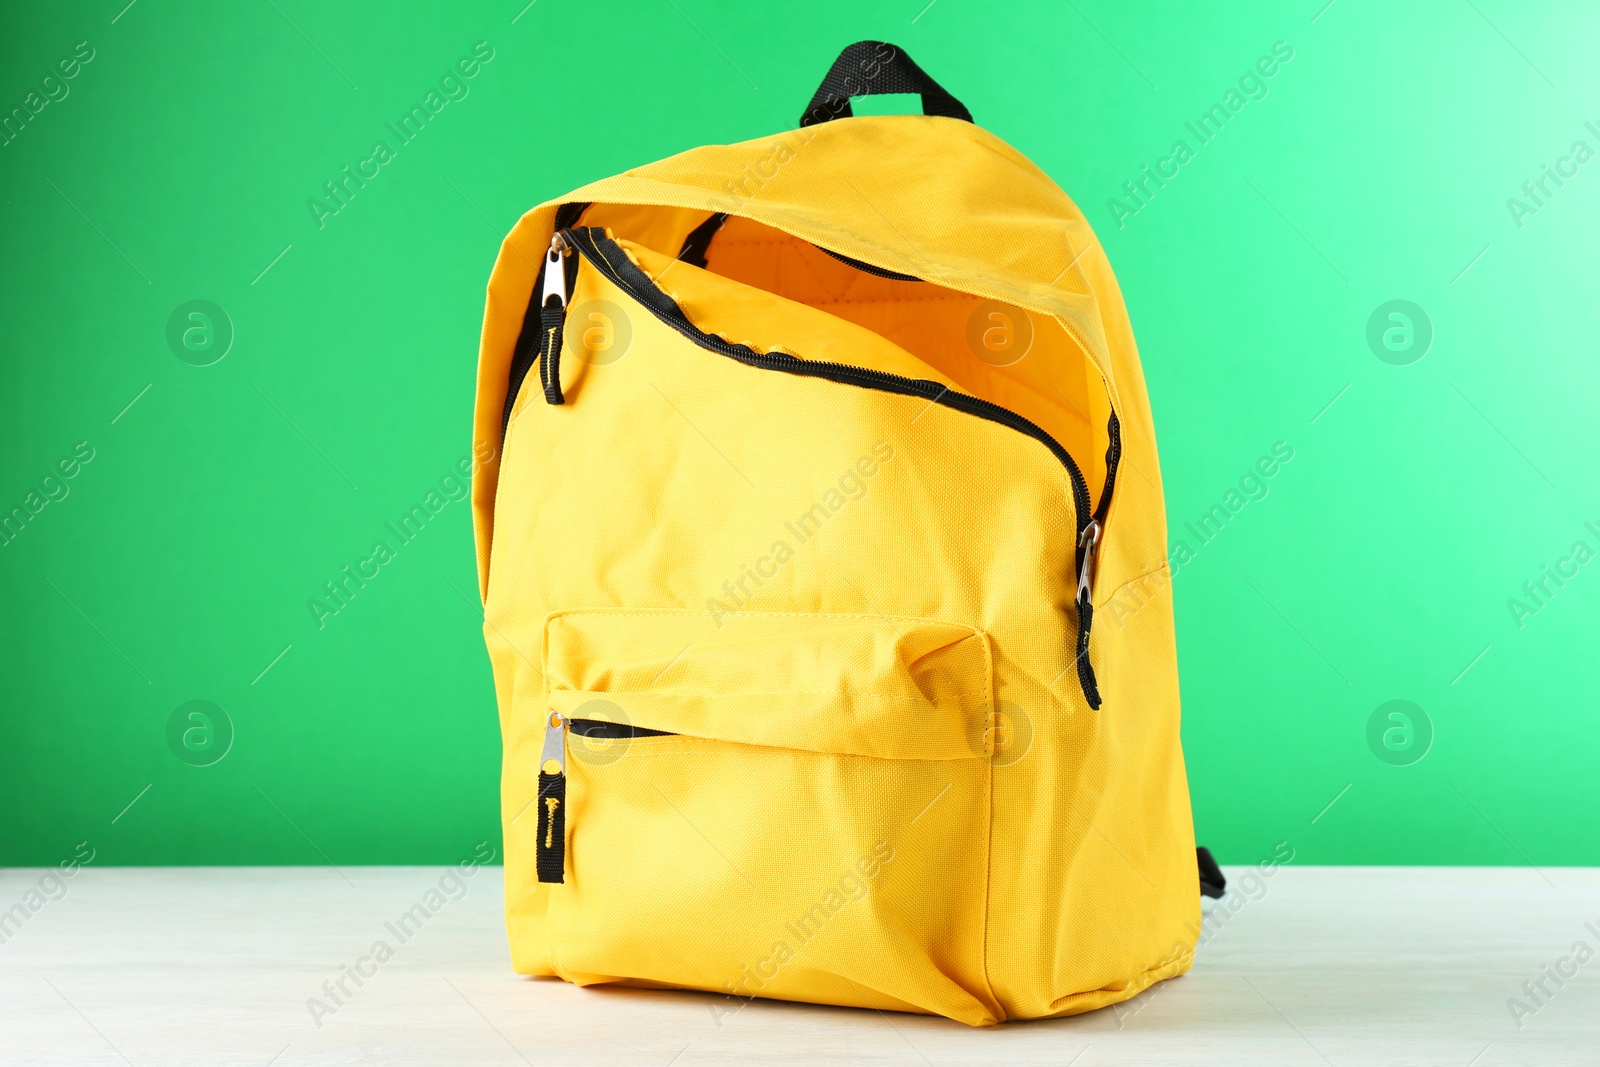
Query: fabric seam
x,y
988,847
1164,566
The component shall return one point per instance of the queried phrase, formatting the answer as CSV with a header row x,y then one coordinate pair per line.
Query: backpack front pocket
x,y
769,805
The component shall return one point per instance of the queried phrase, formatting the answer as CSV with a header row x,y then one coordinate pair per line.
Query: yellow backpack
x,y
825,580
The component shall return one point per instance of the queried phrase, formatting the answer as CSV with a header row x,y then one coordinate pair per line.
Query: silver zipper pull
x,y
553,318
551,848
555,275
553,759
1089,541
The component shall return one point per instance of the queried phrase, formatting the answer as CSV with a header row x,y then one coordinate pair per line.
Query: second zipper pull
x,y
1089,542
552,801
553,317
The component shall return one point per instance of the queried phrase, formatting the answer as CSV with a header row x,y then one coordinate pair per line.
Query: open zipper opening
x,y
612,731
606,256
697,248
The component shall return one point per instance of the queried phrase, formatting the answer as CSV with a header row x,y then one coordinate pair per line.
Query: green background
x,y
1377,568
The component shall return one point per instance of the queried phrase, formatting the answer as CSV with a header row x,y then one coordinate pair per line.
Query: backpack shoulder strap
x,y
1212,883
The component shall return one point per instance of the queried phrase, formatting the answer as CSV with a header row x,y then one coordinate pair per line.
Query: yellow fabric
x,y
854,609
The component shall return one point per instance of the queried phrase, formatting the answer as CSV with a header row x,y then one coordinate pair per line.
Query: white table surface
x,y
1330,967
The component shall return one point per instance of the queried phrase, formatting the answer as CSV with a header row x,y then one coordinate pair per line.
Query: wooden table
x,y
1329,967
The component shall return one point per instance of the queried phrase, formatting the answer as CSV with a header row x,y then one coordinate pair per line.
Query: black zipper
x,y
1089,561
868,268
1113,459
610,260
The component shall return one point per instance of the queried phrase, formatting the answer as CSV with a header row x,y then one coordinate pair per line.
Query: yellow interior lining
x,y
981,346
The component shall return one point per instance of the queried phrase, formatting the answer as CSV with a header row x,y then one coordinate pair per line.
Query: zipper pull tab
x,y
553,317
552,844
555,281
1089,541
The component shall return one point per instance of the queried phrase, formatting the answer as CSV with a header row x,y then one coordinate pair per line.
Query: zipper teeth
x,y
1113,458
588,242
868,268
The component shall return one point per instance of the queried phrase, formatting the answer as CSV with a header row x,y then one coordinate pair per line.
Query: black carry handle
x,y
873,68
